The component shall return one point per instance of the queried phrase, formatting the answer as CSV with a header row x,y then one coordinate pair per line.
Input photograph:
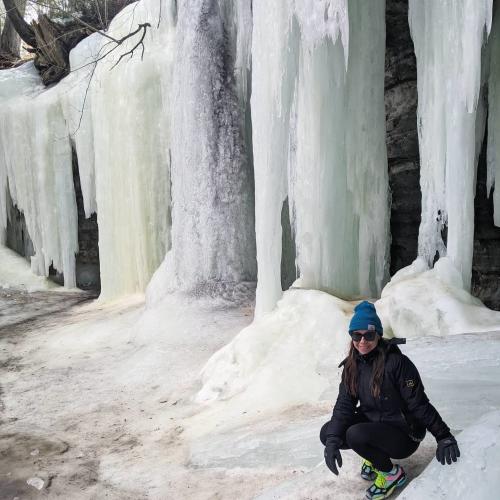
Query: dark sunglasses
x,y
368,336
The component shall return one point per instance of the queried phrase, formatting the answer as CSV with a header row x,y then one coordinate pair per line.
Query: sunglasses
x,y
368,336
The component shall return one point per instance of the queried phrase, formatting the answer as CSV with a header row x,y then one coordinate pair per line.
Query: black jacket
x,y
402,402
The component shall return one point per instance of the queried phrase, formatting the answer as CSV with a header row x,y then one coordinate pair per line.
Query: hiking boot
x,y
385,483
368,472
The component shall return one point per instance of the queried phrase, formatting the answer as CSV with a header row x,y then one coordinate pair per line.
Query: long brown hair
x,y
351,370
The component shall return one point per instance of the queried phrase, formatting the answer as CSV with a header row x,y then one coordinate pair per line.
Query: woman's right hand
x,y
332,455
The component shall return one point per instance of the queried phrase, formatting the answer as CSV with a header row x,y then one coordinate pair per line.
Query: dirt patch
x,y
24,458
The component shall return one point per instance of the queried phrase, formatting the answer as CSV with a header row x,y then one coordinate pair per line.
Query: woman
x,y
393,412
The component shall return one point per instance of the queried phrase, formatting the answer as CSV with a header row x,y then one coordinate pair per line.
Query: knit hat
x,y
365,318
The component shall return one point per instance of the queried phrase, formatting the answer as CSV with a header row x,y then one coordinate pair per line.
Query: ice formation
x,y
213,239
174,120
449,81
130,105
36,165
317,94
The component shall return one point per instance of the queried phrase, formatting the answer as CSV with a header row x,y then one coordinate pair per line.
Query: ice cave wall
x,y
317,95
173,170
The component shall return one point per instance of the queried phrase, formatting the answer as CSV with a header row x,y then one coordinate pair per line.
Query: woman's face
x,y
364,346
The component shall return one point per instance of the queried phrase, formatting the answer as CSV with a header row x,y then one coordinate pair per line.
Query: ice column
x,y
130,121
448,36
77,108
319,137
213,239
35,163
275,53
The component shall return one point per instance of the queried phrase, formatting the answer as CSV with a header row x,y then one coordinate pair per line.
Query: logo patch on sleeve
x,y
410,383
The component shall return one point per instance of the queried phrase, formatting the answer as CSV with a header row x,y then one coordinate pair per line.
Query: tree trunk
x,y
10,42
20,25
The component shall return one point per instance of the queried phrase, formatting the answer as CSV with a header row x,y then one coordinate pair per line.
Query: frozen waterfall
x,y
449,79
192,178
213,238
317,95
36,166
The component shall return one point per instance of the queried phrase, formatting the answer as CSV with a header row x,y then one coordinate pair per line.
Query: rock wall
x,y
402,137
87,259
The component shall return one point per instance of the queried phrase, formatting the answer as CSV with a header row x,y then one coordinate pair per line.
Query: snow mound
x,y
15,272
475,475
419,301
289,356
294,348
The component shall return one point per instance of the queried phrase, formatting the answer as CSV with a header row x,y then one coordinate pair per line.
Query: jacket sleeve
x,y
413,394
343,413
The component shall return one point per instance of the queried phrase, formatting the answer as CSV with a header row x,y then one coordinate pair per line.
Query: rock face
x,y
486,259
401,135
87,259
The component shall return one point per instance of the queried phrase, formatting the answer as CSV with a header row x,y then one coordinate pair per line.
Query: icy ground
x,y
98,401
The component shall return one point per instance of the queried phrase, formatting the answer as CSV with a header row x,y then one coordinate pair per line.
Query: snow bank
x,y
285,357
475,475
419,301
15,273
289,356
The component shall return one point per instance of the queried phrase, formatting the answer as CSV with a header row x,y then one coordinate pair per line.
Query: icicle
x,y
275,46
310,117
448,36
77,105
35,161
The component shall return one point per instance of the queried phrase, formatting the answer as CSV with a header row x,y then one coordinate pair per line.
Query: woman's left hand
x,y
447,450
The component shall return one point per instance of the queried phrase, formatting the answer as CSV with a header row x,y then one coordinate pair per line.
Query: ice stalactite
x,y
275,45
130,106
448,38
77,108
213,240
493,152
317,96
35,161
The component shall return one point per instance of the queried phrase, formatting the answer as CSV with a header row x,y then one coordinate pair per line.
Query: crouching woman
x,y
393,412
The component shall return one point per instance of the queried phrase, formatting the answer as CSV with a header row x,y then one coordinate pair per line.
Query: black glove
x,y
447,449
332,455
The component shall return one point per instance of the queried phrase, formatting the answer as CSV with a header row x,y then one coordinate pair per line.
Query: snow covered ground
x,y
106,400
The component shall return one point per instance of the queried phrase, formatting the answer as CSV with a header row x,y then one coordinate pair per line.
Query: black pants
x,y
376,442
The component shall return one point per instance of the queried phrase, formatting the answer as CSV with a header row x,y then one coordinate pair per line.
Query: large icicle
x,y
213,240
317,96
448,36
275,44
35,160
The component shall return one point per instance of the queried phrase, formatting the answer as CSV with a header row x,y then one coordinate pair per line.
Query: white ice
x,y
317,94
15,273
448,38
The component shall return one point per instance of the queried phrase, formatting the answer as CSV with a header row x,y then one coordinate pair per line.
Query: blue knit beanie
x,y
365,318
